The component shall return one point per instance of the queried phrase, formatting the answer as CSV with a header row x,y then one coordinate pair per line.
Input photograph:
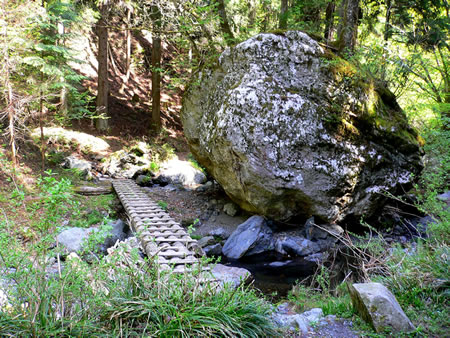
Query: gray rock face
x,y
250,238
286,131
378,306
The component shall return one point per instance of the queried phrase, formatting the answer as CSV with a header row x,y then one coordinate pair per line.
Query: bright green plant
x,y
162,204
97,237
56,199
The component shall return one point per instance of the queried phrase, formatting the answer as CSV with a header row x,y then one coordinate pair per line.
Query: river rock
x,y
297,246
287,128
250,238
230,209
116,233
213,250
229,274
219,232
176,171
144,180
285,318
205,241
127,164
378,306
74,239
71,162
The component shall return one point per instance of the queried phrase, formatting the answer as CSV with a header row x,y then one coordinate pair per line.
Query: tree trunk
x,y
265,7
282,24
348,25
63,102
128,50
329,21
388,19
11,117
41,125
102,83
8,89
251,13
224,23
156,70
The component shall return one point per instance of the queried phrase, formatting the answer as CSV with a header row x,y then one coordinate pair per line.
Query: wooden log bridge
x,y
160,236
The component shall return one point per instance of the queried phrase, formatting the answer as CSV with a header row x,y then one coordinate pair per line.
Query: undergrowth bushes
x,y
115,297
44,295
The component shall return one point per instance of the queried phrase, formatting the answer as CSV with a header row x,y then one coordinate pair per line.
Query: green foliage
x,y
56,199
191,228
162,204
97,237
195,164
36,60
173,309
114,296
435,180
305,298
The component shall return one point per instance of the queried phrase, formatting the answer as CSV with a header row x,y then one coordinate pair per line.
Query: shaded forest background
x,y
123,65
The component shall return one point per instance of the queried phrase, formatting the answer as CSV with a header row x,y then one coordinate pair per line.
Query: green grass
x,y
118,295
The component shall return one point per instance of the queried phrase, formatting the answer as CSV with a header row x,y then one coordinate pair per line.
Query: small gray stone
x,y
144,181
85,167
205,241
213,250
299,246
230,209
72,239
228,274
378,306
313,315
219,232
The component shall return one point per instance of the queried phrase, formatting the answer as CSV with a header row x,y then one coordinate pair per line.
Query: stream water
x,y
273,276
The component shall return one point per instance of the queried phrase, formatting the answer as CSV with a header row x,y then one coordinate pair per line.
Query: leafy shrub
x,y
115,296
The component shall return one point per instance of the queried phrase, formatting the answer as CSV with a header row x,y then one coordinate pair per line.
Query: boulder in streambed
x,y
230,274
250,238
378,306
287,128
75,239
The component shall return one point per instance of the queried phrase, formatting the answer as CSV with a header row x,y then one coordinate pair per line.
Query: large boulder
x,y
287,128
250,238
378,306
